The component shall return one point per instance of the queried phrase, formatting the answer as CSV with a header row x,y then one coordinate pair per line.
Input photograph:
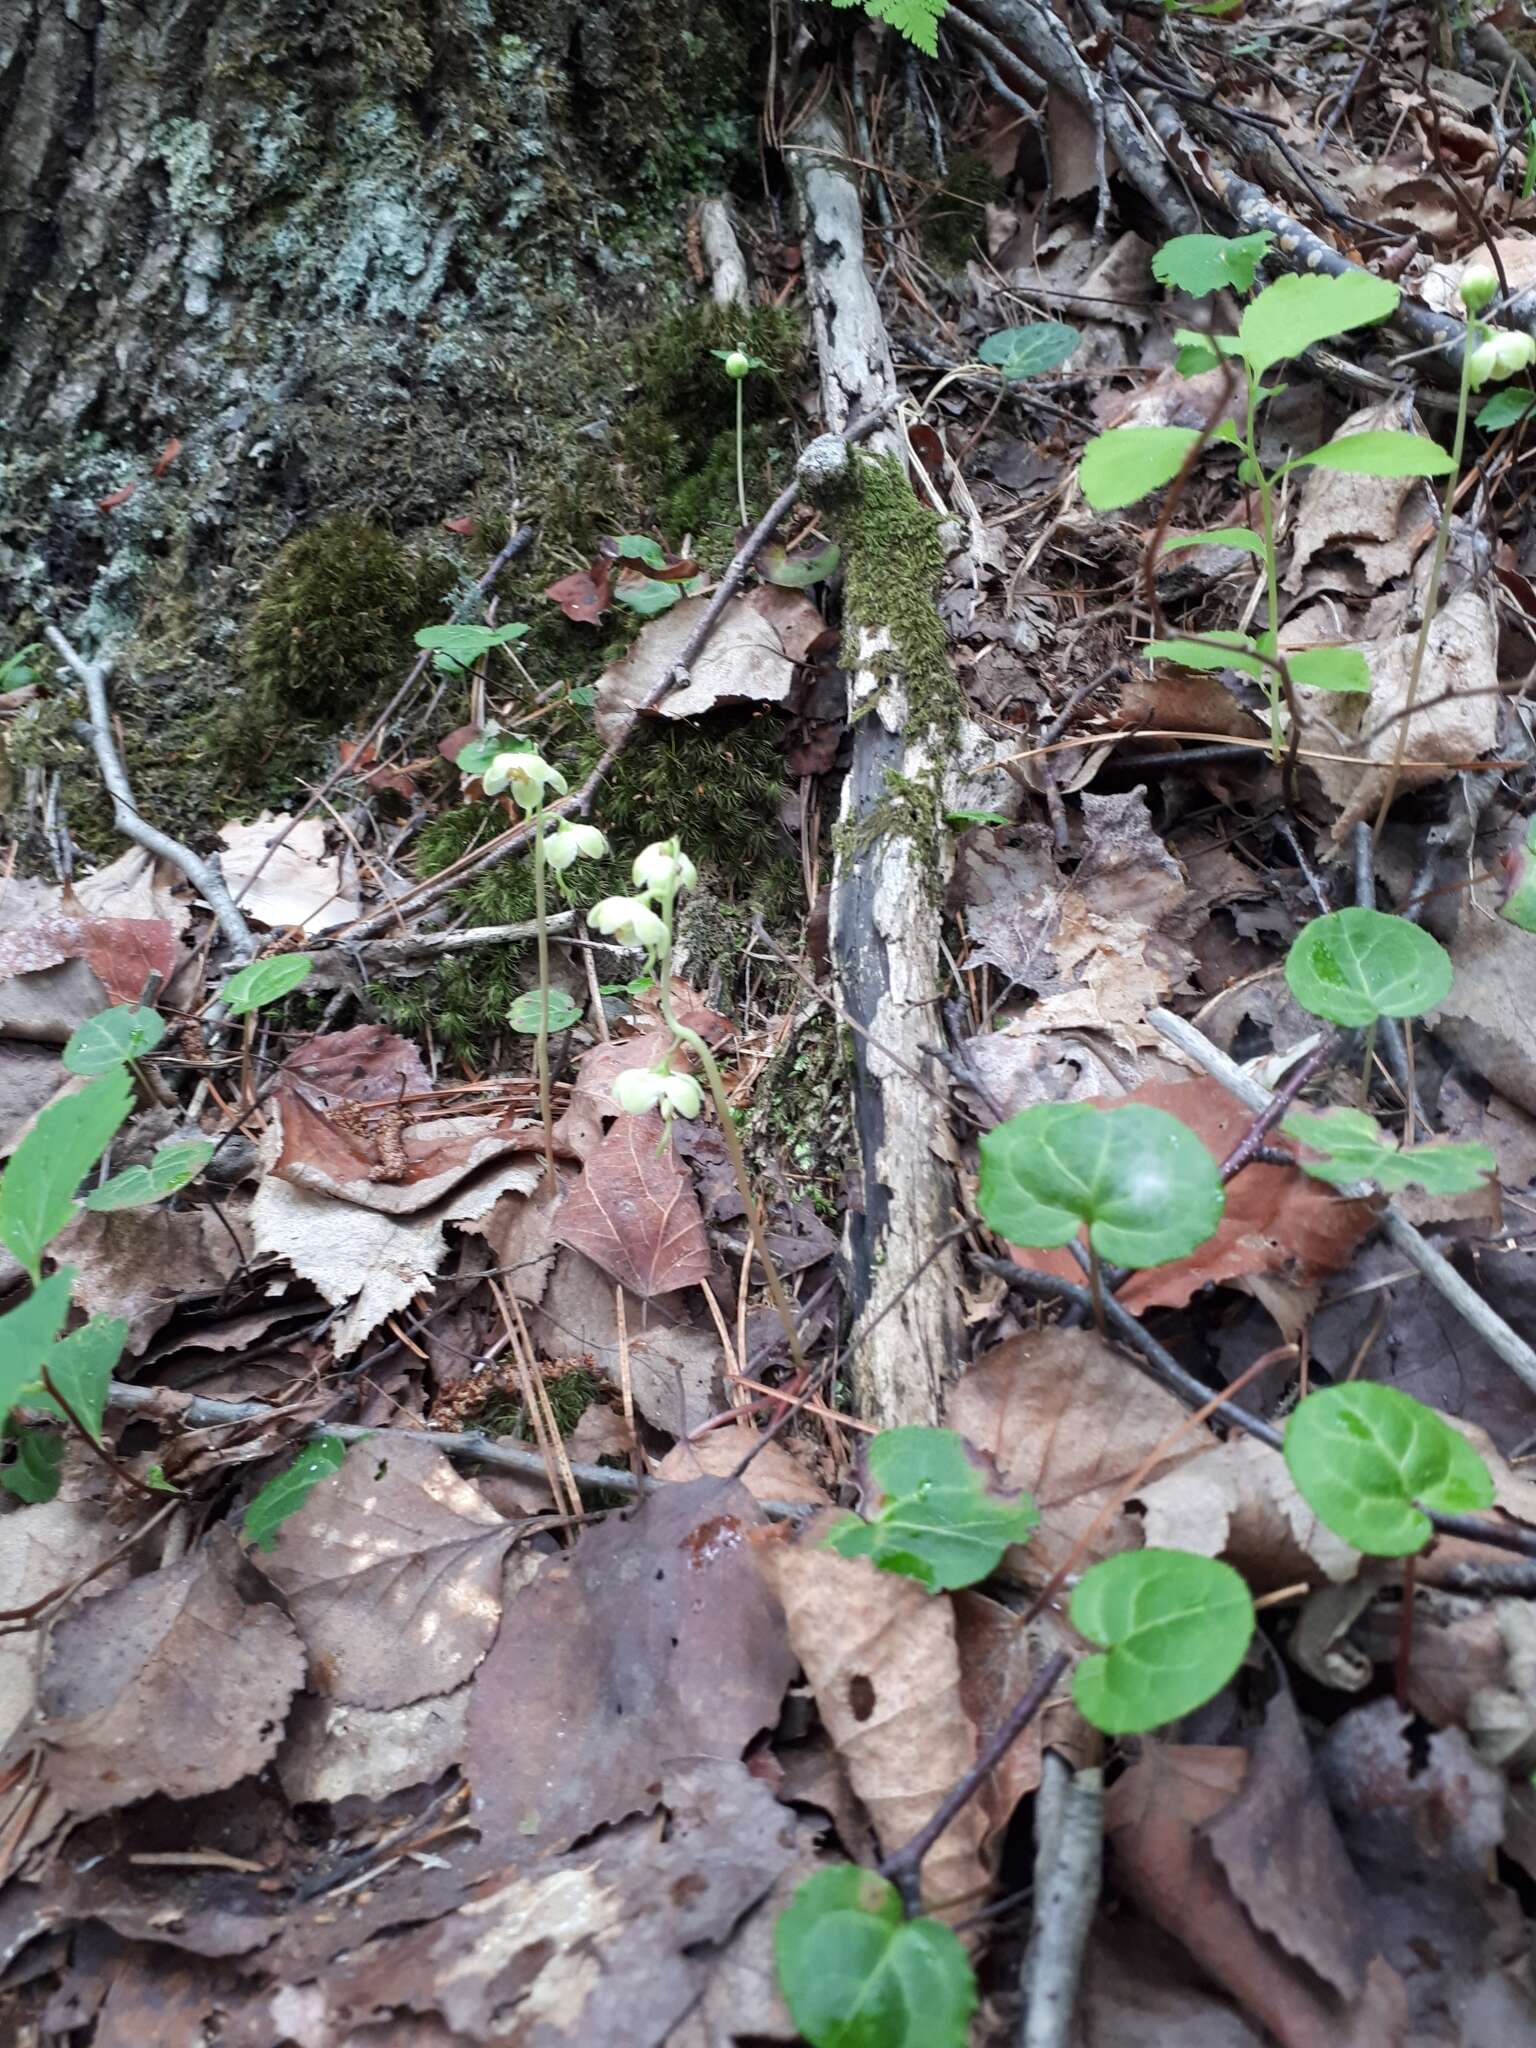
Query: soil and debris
x,y
525,1717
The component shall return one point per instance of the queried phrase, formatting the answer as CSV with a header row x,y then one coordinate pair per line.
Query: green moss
x,y
893,561
800,1120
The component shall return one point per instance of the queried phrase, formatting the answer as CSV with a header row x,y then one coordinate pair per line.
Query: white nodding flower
x,y
663,869
1502,355
629,921
1479,284
568,843
643,1088
525,776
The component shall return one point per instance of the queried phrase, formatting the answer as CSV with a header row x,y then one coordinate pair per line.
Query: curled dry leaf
x,y
1276,1220
176,1682
653,1641
881,1657
634,1211
1066,1416
1359,533
393,1572
750,658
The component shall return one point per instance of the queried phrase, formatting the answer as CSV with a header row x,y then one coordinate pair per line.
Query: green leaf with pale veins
x,y
105,1041
1354,966
1029,351
1368,1459
287,1493
524,1013
1142,1182
37,1190
1175,1627
940,1524
1353,1148
1296,311
1200,264
856,1973
1123,465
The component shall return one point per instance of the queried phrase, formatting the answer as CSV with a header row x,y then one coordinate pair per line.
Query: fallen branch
x,y
1069,1843
1438,1271
203,876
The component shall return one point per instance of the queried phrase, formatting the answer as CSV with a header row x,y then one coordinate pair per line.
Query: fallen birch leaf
x,y
750,658
333,1751
392,1569
652,1641
173,1683
634,1211
296,886
42,1550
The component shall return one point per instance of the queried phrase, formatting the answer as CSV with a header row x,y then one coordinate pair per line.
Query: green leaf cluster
x,y
856,1974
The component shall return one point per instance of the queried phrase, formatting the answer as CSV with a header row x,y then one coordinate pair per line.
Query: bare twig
x,y
125,812
1069,1842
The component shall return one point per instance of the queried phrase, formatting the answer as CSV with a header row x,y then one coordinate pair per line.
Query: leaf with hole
x,y
1298,310
1353,1148
1354,966
1504,409
27,1334
1029,351
1121,466
1330,668
1242,537
1219,648
856,1973
940,1522
172,1168
1384,452
1200,264
524,1013
265,981
1368,1459
106,1040
37,1190
286,1494
1141,1181
80,1367
33,1473
1175,1627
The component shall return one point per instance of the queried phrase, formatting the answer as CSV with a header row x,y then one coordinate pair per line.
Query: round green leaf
x,y
106,1040
1123,465
1141,1181
1027,351
856,1974
1367,1458
1354,966
265,981
1504,408
1298,310
1175,1626
171,1169
524,1013
941,1524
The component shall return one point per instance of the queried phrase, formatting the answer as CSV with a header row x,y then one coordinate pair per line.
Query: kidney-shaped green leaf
x,y
524,1013
940,1523
1027,351
125,1032
1199,264
1383,452
1354,966
1141,1181
1353,1148
1175,1627
856,1974
1330,668
1296,311
1367,1458
1123,465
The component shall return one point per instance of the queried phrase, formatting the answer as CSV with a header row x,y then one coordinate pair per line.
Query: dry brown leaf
x,y
1138,1989
173,1683
1064,1415
41,1551
775,1473
1374,523
142,1264
1156,1816
1239,1502
393,1571
296,884
1489,1017
435,1156
634,1212
654,1640
880,1655
674,1365
333,1752
750,658
1276,1220
998,1658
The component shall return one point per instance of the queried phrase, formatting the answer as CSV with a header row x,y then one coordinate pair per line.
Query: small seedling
x,y
856,1973
738,367
1368,1460
667,578
941,1523
1287,317
1351,1148
1355,966
1176,1626
265,981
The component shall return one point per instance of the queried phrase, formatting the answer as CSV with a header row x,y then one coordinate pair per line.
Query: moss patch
x,y
893,561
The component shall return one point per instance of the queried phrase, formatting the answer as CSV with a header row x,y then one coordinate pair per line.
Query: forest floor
x,y
419,1622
